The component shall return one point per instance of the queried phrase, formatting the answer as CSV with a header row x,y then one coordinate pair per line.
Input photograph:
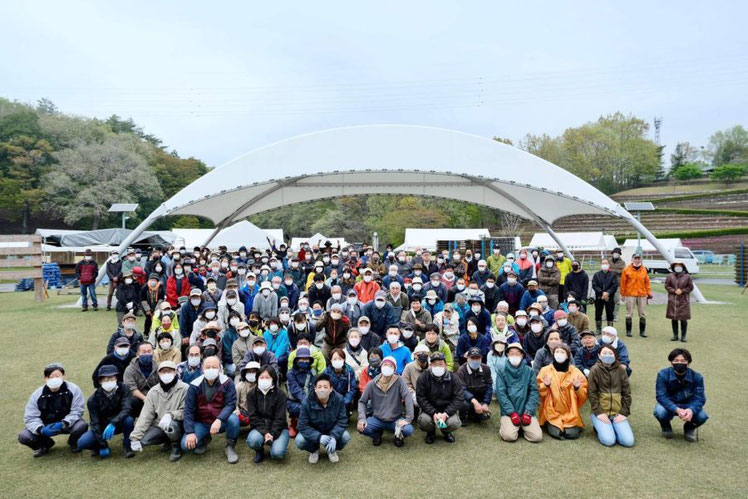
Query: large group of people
x,y
273,345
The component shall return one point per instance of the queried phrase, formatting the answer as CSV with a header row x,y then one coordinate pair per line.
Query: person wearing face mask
x,y
352,308
397,299
392,277
459,288
322,422
414,369
140,376
491,293
151,296
549,278
432,303
213,292
566,330
587,355
373,368
121,356
243,342
495,260
356,356
501,329
534,338
54,408
679,391
610,400
248,292
245,381
394,347
230,335
610,337
577,285
480,314
576,317
512,291
473,337
545,311
408,336
343,378
229,305
563,391
525,267
448,280
436,285
481,273
477,387
531,294
522,324
605,287
317,270
496,358
679,286
300,384
380,314
177,285
160,421
266,303
266,405
291,290
86,271
336,297
113,271
276,338
544,356
448,323
636,290
617,264
418,316
208,315
517,394
189,312
209,410
192,367
384,398
564,265
125,330
433,344
367,288
335,326
260,353
109,413
166,349
300,324
128,296
129,262
369,340
439,394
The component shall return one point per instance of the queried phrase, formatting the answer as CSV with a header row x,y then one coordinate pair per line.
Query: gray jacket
x,y
543,358
157,404
266,307
32,416
386,406
134,378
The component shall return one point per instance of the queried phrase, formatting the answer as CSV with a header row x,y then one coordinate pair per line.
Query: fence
x,y
23,261
740,265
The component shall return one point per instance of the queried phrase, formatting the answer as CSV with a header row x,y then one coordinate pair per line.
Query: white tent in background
x,y
647,246
317,238
276,235
575,241
610,242
240,234
427,238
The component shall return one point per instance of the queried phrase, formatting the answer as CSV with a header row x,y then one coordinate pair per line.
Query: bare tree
x,y
509,223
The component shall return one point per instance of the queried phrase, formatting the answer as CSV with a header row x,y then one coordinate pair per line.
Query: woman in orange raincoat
x,y
563,390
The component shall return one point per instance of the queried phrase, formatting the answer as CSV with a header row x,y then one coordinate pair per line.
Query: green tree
x,y
683,154
688,172
728,146
729,173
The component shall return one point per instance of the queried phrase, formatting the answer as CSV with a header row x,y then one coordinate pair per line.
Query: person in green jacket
x,y
495,261
517,393
435,344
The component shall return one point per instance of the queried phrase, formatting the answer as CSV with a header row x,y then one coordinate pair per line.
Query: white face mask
x,y
210,374
512,280
265,384
234,321
490,284
367,278
251,283
251,377
128,281
244,332
338,363
265,292
165,345
515,361
284,317
193,361
393,338
549,265
562,322
300,326
108,386
388,371
407,333
604,266
210,314
536,328
354,342
231,301
351,300
521,322
560,357
166,378
472,328
336,296
379,303
122,351
258,350
54,383
678,269
273,328
438,371
363,330
533,313
475,309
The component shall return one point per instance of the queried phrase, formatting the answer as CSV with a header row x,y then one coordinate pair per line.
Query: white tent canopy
x,y
575,241
427,238
391,159
240,234
319,239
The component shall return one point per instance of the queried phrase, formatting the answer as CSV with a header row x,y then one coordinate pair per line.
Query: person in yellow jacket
x,y
564,266
636,290
495,261
563,391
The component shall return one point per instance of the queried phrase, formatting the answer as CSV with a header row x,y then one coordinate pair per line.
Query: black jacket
x,y
267,413
135,340
577,284
103,410
113,269
438,394
604,281
112,359
128,293
476,384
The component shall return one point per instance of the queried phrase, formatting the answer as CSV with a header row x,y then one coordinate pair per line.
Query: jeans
x,y
91,289
610,433
202,430
88,440
375,426
663,415
304,444
255,441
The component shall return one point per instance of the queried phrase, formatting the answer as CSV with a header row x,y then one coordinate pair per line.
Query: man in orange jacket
x,y
635,290
366,288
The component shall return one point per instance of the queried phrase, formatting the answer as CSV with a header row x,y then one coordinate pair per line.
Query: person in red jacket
x,y
366,288
177,285
86,271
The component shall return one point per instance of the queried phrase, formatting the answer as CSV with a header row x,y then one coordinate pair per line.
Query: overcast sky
x,y
214,80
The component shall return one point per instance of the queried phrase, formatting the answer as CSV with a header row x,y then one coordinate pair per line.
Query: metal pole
x,y
638,235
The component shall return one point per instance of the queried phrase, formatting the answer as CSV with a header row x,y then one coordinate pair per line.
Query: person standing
x,y
605,287
113,271
86,271
679,285
616,266
636,290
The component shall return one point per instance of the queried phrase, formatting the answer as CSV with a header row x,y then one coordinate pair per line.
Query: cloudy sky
x,y
217,79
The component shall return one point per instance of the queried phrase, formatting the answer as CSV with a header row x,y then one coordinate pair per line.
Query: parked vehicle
x,y
656,264
704,256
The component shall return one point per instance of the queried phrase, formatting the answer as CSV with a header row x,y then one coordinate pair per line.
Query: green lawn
x,y
479,464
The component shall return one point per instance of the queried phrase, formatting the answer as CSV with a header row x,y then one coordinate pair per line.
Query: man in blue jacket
x,y
323,421
380,313
209,410
393,347
680,392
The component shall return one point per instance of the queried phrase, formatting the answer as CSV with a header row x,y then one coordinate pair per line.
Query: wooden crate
x,y
15,260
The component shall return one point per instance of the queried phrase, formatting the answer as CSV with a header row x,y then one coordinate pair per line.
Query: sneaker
x,y
333,457
449,437
399,442
314,457
41,451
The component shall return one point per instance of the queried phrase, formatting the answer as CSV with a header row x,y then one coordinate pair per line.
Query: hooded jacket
x,y
267,411
549,279
516,390
609,390
560,403
442,394
344,383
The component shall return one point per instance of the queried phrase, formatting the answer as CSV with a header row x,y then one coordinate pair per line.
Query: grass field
x,y
479,464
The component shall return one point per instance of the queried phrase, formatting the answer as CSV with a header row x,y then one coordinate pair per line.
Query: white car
x,y
656,264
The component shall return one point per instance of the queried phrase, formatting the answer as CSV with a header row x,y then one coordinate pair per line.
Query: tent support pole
x,y
698,296
213,234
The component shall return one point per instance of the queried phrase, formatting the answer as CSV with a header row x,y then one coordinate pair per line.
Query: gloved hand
x,y
129,304
165,421
587,372
52,429
331,445
104,452
108,431
526,419
398,431
324,439
136,446
515,418
243,419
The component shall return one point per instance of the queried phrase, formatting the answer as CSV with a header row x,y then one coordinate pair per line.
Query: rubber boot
x,y
674,324
628,326
176,452
611,323
230,450
259,455
683,331
599,327
689,432
642,327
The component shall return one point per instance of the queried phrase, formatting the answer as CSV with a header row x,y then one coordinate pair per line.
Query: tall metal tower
x,y
658,125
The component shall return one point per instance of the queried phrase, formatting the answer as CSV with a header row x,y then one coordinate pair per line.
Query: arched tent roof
x,y
391,159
